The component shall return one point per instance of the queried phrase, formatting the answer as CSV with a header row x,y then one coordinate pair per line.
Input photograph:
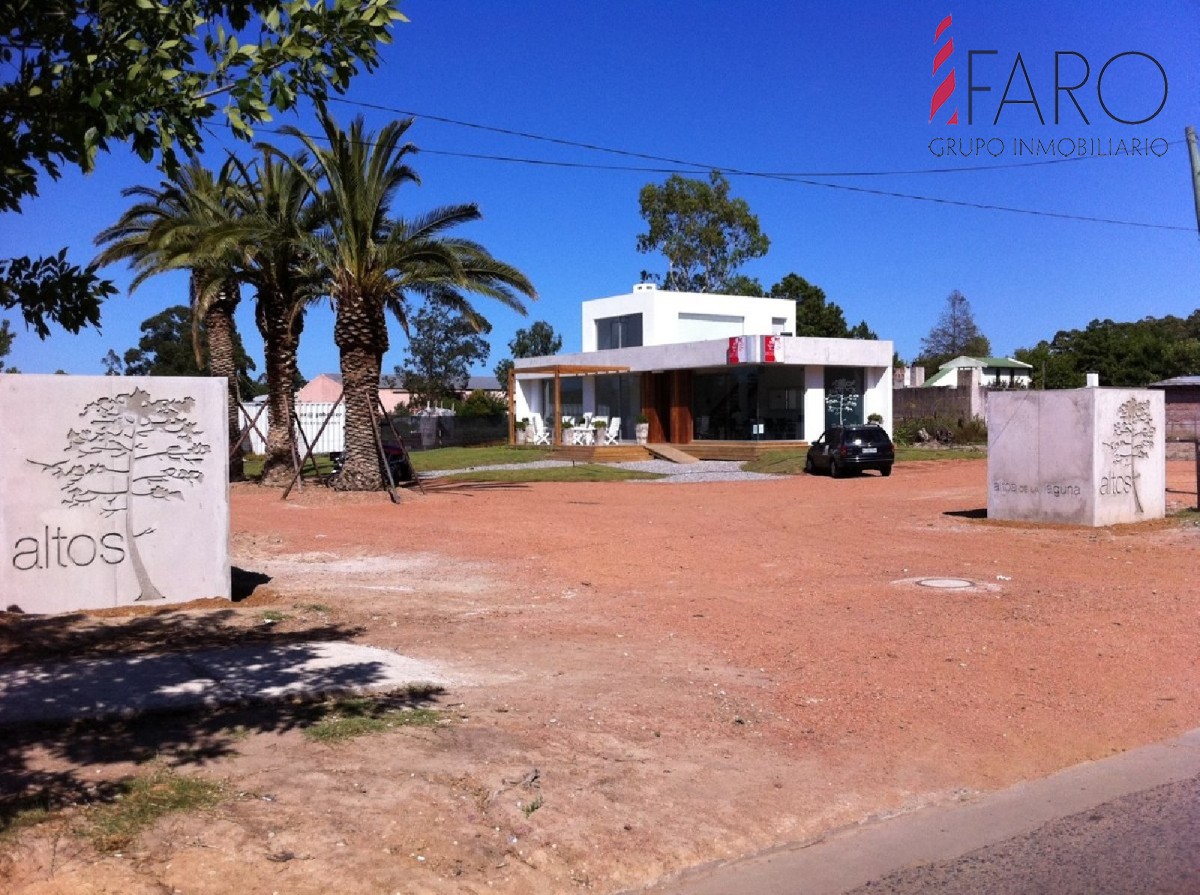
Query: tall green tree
x,y
6,340
954,334
442,348
170,228
1051,367
166,348
276,217
78,75
1128,354
860,330
539,340
113,366
372,261
816,316
705,234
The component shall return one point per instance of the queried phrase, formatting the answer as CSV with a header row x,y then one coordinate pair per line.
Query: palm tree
x,y
275,218
167,230
371,259
476,270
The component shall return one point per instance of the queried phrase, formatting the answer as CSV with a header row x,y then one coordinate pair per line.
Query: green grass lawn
x,y
791,462
784,462
428,461
580,472
253,465
466,457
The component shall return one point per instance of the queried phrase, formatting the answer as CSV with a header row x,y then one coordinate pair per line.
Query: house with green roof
x,y
994,372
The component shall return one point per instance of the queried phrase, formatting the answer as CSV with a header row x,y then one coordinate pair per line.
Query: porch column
x,y
681,407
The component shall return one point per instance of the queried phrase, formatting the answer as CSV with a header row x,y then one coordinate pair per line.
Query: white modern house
x,y
713,372
994,372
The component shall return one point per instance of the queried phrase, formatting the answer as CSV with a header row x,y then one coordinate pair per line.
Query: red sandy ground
x,y
670,674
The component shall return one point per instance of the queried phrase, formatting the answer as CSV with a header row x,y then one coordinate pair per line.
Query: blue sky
x,y
836,97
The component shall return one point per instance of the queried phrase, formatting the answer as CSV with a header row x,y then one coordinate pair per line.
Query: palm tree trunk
x,y
361,337
219,327
281,339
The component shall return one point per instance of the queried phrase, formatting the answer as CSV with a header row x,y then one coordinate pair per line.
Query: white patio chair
x,y
541,434
612,434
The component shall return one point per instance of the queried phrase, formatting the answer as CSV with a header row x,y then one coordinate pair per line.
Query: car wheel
x,y
835,471
885,471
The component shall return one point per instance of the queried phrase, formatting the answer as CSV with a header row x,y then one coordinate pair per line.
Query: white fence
x,y
311,415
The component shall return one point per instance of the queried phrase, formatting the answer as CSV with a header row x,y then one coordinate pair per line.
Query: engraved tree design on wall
x,y
131,448
842,399
1133,438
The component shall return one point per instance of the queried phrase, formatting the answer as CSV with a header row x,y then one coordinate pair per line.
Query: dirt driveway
x,y
646,676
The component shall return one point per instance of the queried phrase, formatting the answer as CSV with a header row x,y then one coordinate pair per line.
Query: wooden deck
x,y
737,450
701,450
612,453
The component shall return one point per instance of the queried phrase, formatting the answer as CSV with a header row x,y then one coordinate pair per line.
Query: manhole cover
x,y
946,583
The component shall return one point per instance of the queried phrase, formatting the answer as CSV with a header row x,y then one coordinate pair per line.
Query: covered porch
x,y
701,450
562,393
708,399
667,401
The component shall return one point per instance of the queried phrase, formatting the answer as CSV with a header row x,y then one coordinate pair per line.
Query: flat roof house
x,y
713,372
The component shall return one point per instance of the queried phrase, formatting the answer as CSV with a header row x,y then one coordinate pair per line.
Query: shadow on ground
x,y
39,638
457,486
242,582
100,752
980,513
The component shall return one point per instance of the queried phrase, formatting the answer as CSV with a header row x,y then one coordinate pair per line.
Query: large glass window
x,y
619,332
748,403
572,397
844,388
782,409
618,396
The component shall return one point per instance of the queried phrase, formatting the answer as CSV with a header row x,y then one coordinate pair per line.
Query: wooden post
x,y
1194,154
512,407
311,448
557,408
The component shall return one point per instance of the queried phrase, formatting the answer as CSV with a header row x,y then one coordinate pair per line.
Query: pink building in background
x,y
327,388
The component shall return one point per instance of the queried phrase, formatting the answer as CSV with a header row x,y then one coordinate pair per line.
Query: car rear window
x,y
869,435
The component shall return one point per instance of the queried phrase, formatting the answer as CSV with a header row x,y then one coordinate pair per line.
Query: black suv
x,y
844,449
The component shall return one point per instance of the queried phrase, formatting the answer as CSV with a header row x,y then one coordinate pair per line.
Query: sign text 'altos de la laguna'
x,y
1086,456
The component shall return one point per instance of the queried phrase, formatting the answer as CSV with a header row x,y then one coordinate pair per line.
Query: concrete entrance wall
x,y
115,491
1087,456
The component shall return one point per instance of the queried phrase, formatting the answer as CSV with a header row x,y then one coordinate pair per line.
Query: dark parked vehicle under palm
x,y
845,449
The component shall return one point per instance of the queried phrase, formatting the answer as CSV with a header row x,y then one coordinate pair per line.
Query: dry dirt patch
x,y
647,676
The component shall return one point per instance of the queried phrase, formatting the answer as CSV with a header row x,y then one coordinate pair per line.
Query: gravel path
x,y
704,471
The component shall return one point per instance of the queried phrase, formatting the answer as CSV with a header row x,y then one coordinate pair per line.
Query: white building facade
x,y
707,368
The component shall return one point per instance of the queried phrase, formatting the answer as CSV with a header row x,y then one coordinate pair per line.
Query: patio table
x,y
582,435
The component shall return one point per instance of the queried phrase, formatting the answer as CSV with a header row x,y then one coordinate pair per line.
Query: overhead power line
x,y
593,147
802,179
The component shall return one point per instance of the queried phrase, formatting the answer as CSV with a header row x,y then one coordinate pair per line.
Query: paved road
x,y
1145,842
1129,825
